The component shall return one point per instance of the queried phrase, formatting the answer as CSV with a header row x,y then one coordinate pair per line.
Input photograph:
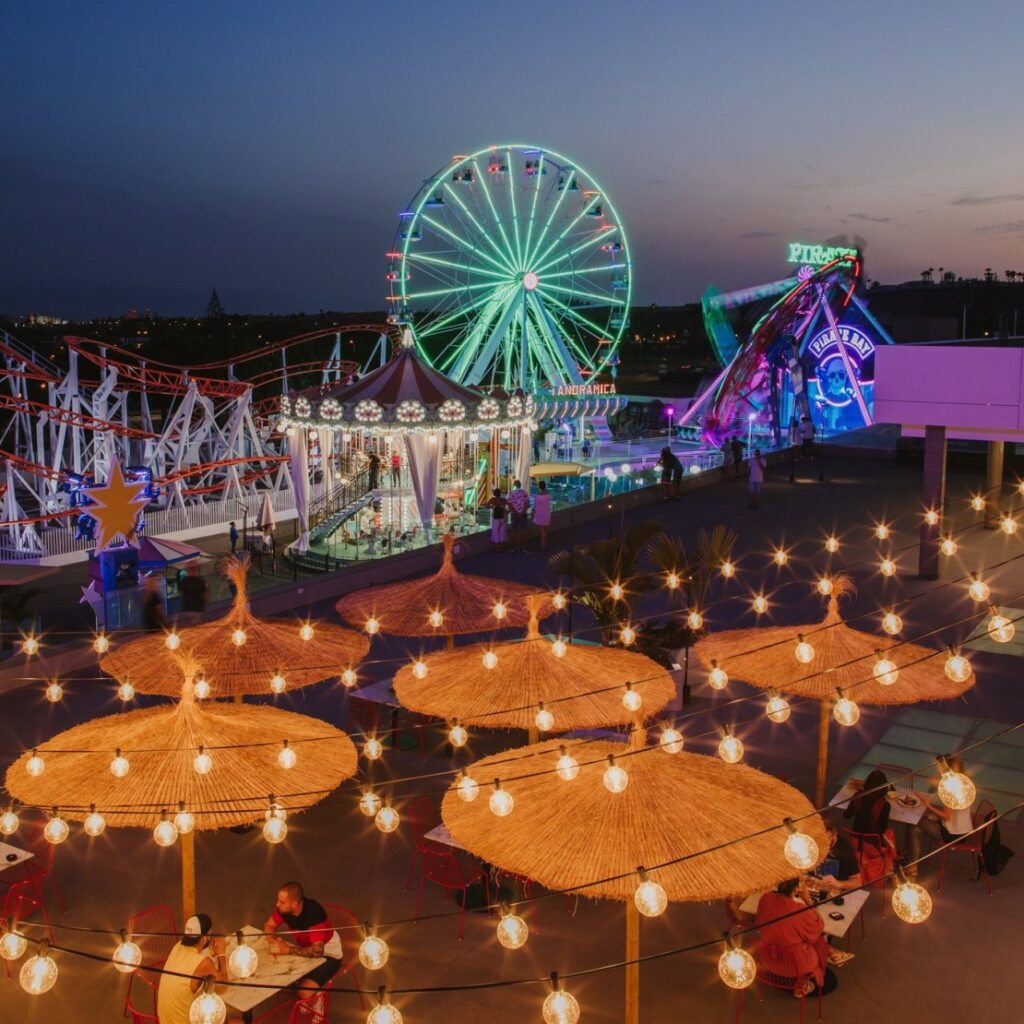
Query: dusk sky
x,y
153,151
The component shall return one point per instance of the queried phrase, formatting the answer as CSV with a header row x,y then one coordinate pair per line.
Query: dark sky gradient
x,y
151,151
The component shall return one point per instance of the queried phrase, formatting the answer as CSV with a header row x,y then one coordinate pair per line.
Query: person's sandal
x,y
807,989
840,957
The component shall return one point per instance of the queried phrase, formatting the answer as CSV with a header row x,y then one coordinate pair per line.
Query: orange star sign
x,y
116,508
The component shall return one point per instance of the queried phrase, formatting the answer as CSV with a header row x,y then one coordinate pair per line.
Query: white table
x,y
11,855
439,834
278,971
853,903
897,812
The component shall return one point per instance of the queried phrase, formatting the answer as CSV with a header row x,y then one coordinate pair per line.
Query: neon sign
x,y
583,390
816,255
830,385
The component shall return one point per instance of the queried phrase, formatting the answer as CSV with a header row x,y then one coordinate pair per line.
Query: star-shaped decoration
x,y
116,508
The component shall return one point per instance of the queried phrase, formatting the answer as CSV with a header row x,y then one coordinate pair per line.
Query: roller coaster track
x,y
78,420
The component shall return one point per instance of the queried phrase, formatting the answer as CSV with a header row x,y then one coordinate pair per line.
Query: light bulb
x,y
891,623
56,830
384,1013
978,503
1001,629
736,968
544,720
286,756
717,677
825,585
730,749
203,763
490,659
911,902
35,765
275,829
760,604
627,635
616,592
672,581
126,692
882,532
846,711
435,618
671,740
184,821
30,646
695,620
650,898
467,788
38,974
958,668
512,931
780,557
832,544
615,778
501,802
372,625
566,766
560,1008
127,955
9,822
275,808
278,684
373,953
777,709
804,651
12,945
349,678
419,668
202,689
238,637
631,700
887,567
931,517
207,1008
626,467
370,803
728,569
120,766
955,789
165,833
558,601
172,641
1008,525
979,589
387,819
94,823
457,735
948,546
800,849
886,672
373,749
306,632
243,962
500,610
54,692
558,648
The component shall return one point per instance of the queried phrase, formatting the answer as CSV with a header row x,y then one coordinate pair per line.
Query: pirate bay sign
x,y
816,255
834,385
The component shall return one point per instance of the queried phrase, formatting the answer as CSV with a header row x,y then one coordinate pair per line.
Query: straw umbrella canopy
x,y
844,659
269,647
465,603
529,672
571,834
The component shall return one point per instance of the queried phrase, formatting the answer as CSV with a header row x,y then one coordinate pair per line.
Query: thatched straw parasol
x,y
466,604
844,658
271,647
161,744
566,834
528,672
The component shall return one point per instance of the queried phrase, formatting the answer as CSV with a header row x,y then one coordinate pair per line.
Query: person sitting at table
x,y
939,822
839,872
870,813
800,934
193,959
310,934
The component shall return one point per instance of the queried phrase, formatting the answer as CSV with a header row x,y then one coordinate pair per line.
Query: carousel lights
x,y
979,590
627,636
512,930
777,708
94,824
435,619
39,973
825,585
671,740
887,567
373,749
800,849
203,763
457,734
384,1012
372,625
566,767
631,700
373,950
54,692
370,803
9,822
615,778
910,901
736,967
779,556
101,644
544,720
730,748
832,544
650,897
349,678
760,604
467,787
30,645
120,766
244,960
387,819
184,820
1000,628
846,711
500,610
560,1007
286,756
957,667
891,622
127,955
35,764
490,660
955,789
931,517
501,801
306,631
278,684
558,648
56,830
803,651
172,641
695,620
126,692
238,637
201,689
728,569
885,670
948,546
419,669
718,679
165,833
12,944
207,1007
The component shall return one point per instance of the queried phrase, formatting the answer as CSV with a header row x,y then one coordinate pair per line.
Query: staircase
x,y
328,512
599,424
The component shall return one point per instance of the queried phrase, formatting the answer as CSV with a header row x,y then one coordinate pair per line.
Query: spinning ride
x,y
513,265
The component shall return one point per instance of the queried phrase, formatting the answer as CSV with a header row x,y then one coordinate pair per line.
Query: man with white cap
x,y
194,958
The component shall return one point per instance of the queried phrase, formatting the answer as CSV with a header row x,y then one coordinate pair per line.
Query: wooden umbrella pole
x,y
823,727
449,642
188,875
532,735
632,1015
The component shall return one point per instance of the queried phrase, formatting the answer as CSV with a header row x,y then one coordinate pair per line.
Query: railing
x,y
339,498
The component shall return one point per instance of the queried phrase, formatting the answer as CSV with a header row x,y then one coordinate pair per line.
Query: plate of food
x,y
907,800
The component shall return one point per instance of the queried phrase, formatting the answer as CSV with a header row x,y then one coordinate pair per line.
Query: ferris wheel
x,y
513,268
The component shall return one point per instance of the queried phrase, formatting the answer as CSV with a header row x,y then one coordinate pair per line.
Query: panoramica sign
x,y
815,255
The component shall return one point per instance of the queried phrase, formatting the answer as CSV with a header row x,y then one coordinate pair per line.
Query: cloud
x,y
759,234
1009,227
867,217
1008,197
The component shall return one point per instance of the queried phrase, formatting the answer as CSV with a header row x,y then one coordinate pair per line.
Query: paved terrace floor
x,y
960,965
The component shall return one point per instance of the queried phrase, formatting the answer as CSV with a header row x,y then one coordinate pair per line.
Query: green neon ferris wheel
x,y
513,267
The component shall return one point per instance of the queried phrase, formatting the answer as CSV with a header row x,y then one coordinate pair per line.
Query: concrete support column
x,y
993,483
933,491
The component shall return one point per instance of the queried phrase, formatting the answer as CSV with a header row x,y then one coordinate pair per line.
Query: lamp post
x,y
670,411
750,430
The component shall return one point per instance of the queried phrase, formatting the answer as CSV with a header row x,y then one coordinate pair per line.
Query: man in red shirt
x,y
310,934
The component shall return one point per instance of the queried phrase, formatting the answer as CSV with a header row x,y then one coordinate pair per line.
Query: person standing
x,y
310,934
756,478
193,958
499,527
586,448
736,447
233,536
542,513
396,468
807,435
194,593
374,481
518,506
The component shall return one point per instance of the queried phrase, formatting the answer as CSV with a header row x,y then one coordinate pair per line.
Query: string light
x,y
275,807
165,833
370,803
736,966
349,678
30,645
910,901
615,778
306,631
650,897
558,601
558,648
373,950
373,749
825,585
120,766
832,544
244,960
760,604
387,819
126,692
672,581
35,764
931,517
566,766
955,789
627,635
501,802
419,668
777,709
286,757
500,610
730,749
372,625
978,589
804,651
9,822
717,677
948,546
882,531
384,1012
544,720
846,711
1020,487
172,641
631,700
202,689
671,740
207,1007
278,684
490,660
39,973
94,824
512,930
885,670
617,593
203,763
1008,525
695,620
891,623
101,644
467,787
887,567
56,830
957,667
184,821
728,569
457,735
54,692
436,619
13,944
978,503
1000,628
800,849
275,828
560,1007
127,954
780,557
238,637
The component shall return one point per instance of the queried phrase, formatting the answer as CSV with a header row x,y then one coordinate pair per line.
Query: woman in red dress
x,y
801,934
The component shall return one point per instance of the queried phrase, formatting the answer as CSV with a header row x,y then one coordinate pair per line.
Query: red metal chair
x,y
40,864
137,1016
24,899
314,1009
348,931
423,816
155,947
446,870
972,844
875,858
776,968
